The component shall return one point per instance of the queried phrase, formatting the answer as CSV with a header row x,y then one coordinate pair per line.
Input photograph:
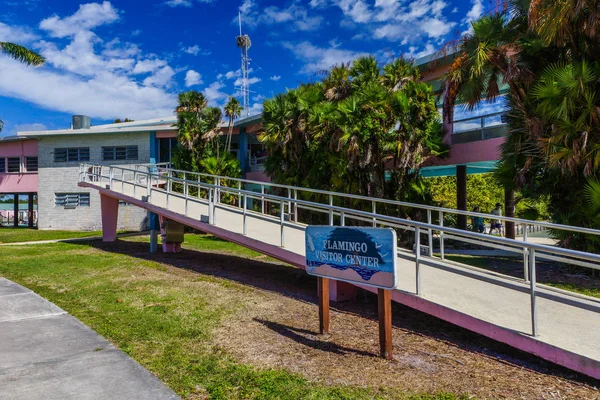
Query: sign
x,y
352,254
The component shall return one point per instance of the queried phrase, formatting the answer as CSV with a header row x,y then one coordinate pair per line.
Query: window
x,y
13,164
32,164
72,154
120,153
72,200
2,165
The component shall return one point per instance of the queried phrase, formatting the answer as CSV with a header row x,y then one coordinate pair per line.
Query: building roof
x,y
156,124
12,138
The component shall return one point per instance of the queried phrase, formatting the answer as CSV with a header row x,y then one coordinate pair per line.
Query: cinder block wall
x,y
62,177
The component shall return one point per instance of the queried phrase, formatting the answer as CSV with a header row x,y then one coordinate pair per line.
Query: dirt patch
x,y
277,327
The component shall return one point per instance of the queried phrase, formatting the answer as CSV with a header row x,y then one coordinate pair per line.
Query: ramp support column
x,y
341,291
110,213
154,226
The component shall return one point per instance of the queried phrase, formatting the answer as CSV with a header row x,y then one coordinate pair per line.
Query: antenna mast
x,y
244,43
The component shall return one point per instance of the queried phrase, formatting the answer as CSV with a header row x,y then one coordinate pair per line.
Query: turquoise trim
x,y
482,167
153,148
243,150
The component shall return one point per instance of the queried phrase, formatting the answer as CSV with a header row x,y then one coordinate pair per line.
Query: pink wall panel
x,y
27,148
19,183
464,153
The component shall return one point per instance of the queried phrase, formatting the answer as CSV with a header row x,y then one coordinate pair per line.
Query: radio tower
x,y
244,43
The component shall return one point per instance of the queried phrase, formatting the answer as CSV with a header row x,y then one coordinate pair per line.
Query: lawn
x,y
16,235
165,317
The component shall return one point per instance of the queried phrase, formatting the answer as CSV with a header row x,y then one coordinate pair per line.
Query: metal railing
x,y
143,180
479,128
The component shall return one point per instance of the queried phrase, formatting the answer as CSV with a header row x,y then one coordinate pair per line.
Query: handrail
x,y
380,217
479,117
548,225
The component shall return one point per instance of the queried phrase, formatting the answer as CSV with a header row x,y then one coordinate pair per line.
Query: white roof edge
x,y
155,124
166,120
95,130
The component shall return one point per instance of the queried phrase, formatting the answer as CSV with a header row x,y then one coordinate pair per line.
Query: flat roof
x,y
13,138
156,124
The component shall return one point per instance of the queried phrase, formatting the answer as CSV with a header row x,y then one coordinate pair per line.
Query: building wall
x,y
62,177
23,182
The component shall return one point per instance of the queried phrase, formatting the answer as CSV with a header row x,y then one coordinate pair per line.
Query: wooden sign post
x,y
384,303
365,256
323,289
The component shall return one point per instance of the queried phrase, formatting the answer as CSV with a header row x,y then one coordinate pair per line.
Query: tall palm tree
x,y
22,54
233,109
197,126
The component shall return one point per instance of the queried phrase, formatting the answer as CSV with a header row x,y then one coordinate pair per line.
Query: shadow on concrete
x,y
294,283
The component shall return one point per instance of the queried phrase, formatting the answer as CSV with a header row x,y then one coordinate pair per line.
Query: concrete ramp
x,y
559,326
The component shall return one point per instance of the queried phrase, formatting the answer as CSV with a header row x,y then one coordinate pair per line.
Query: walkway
x,y
47,354
497,306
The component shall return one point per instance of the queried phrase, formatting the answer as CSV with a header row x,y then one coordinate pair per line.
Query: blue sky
x,y
130,58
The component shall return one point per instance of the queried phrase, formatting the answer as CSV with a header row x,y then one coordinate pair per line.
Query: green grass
x,y
16,235
164,318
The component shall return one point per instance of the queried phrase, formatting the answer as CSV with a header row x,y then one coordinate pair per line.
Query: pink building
x,y
18,180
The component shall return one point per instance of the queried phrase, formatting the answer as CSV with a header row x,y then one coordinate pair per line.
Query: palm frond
x,y
21,54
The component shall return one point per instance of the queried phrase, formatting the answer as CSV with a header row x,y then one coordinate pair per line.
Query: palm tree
x,y
197,126
233,109
346,132
22,54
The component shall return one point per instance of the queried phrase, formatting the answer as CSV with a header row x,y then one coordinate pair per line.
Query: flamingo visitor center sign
x,y
353,254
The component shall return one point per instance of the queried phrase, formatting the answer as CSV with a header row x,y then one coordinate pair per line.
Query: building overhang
x,y
481,167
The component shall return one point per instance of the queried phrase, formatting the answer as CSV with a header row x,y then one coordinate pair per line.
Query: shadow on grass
x,y
300,336
297,284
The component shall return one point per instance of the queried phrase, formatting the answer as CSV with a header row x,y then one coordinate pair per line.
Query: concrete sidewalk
x,y
47,354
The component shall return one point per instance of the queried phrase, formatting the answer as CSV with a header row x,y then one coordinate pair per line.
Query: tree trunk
x,y
461,195
509,207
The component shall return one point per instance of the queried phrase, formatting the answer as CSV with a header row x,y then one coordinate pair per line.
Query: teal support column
x,y
243,150
154,229
153,148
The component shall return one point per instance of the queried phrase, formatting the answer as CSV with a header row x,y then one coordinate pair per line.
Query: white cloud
x,y
161,77
85,73
410,20
192,78
414,53
16,34
88,16
250,81
105,96
29,127
149,65
256,108
195,50
294,16
436,28
214,94
232,74
275,77
475,12
177,3
317,58
136,32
